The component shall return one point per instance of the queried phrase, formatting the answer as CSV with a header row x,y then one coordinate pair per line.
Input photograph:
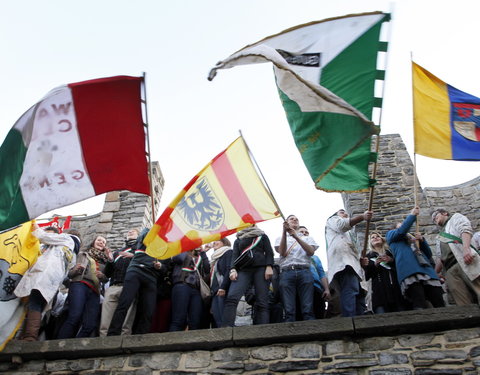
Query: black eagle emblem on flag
x,y
201,209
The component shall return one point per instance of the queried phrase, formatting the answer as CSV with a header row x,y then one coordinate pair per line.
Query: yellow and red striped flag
x,y
226,196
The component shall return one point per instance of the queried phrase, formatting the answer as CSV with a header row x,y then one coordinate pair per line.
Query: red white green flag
x,y
224,197
81,140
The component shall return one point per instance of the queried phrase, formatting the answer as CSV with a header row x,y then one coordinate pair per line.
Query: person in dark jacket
x,y
417,278
140,282
116,272
379,267
259,271
187,303
220,262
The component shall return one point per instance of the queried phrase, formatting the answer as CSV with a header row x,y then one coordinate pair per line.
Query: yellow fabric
x,y
19,248
431,107
183,229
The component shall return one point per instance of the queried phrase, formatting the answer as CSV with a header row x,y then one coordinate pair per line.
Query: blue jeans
x,y
293,282
351,298
83,308
218,304
238,289
187,307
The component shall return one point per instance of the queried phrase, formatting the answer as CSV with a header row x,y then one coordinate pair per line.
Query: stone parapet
x,y
434,341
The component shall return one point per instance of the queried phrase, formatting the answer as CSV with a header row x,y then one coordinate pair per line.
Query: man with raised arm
x,y
344,260
295,277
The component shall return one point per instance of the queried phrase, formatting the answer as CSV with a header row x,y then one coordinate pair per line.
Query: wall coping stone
x,y
407,322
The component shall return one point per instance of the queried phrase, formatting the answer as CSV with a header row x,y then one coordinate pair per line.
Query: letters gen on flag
x,y
326,72
81,140
446,120
227,195
19,250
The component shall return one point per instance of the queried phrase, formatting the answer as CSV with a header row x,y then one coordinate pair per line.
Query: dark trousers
x,y
238,289
419,293
135,284
84,309
187,308
218,304
295,283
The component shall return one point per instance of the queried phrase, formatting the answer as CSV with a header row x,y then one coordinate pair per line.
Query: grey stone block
x,y
377,343
205,339
415,340
287,332
392,358
340,346
197,359
438,354
352,364
269,353
305,351
428,320
391,371
230,354
293,366
437,371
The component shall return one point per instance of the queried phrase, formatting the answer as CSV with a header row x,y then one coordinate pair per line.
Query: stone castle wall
x,y
428,342
394,194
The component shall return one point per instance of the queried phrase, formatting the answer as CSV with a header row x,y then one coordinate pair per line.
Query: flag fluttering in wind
x,y
56,224
446,120
326,72
19,250
227,195
81,140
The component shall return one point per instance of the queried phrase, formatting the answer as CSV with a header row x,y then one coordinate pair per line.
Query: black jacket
x,y
262,253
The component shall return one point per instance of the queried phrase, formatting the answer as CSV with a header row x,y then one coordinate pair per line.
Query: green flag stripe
x,y
12,156
319,136
380,75
383,46
351,74
378,102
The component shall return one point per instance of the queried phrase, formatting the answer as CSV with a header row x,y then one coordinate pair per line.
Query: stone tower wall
x,y
394,194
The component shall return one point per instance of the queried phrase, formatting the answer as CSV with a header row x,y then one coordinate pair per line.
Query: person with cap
x,y
42,281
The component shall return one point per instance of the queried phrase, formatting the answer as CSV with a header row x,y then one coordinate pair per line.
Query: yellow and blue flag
x,y
446,120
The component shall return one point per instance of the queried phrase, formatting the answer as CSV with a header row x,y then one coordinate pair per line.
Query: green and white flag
x,y
326,72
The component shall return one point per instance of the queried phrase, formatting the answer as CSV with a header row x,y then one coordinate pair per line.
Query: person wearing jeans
x,y
344,266
258,272
295,251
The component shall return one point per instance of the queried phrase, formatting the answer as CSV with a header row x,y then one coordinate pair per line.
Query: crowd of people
x,y
86,291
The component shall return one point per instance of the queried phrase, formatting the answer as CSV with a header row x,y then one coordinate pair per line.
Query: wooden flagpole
x,y
261,174
415,185
149,154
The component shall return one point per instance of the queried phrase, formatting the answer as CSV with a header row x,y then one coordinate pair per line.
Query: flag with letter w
x,y
325,73
227,195
81,140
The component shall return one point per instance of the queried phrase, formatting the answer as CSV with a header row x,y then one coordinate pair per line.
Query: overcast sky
x,y
45,44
